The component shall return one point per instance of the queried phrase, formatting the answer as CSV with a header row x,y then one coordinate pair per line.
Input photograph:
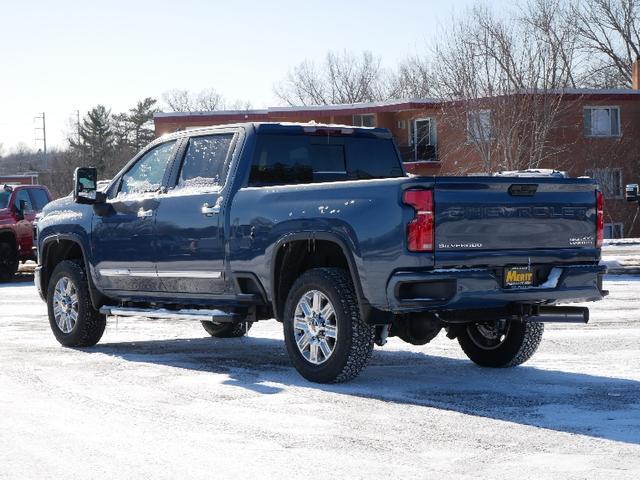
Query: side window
x,y
281,160
204,162
147,173
40,198
20,196
296,159
327,158
299,159
369,158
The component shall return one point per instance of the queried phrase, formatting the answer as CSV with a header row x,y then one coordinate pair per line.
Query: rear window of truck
x,y
299,159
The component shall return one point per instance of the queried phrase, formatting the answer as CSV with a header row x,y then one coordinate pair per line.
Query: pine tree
x,y
95,140
135,128
141,120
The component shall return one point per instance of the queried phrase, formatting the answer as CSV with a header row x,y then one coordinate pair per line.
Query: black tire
x,y
90,324
8,262
227,330
352,341
514,344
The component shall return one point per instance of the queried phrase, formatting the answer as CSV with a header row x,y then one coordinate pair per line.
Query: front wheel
x,y
501,343
326,338
73,320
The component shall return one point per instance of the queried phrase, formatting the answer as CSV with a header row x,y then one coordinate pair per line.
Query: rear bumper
x,y
453,289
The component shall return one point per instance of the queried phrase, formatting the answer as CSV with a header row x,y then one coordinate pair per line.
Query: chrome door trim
x,y
127,272
188,274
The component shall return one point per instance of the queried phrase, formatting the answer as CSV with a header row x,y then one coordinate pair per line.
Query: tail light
x,y
599,219
420,230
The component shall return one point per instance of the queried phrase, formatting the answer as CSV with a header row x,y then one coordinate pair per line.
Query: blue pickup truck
x,y
320,227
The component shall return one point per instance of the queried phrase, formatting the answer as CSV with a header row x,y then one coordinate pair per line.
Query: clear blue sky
x,y
60,56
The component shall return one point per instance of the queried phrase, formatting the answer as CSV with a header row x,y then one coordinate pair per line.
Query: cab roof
x,y
287,128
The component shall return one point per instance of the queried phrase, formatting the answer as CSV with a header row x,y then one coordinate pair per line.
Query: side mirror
x,y
631,192
85,181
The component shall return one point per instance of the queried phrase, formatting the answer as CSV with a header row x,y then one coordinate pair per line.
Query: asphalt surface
x,y
160,399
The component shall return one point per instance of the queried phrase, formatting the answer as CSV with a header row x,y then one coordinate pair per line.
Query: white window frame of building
x,y
359,120
602,121
610,230
413,136
480,130
605,178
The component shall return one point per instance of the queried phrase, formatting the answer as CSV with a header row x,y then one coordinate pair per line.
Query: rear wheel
x,y
73,320
500,343
326,339
8,262
227,330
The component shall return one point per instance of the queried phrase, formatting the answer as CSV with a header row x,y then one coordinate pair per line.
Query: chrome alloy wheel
x,y
65,304
490,335
315,327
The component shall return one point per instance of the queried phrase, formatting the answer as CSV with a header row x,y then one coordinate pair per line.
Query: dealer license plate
x,y
518,277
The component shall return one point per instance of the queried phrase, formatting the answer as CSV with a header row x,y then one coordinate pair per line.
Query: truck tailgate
x,y
499,214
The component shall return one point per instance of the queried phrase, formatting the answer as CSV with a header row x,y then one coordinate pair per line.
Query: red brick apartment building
x,y
597,133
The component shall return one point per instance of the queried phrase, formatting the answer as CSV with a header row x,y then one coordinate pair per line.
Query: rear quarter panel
x,y
366,216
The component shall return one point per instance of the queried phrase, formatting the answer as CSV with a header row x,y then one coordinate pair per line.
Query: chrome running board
x,y
185,314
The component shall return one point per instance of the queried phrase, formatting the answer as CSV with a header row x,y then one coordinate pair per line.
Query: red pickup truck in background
x,y
19,205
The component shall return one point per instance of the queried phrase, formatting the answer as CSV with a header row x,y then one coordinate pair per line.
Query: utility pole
x,y
44,138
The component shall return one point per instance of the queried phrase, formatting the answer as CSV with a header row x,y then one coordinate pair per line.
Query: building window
x,y
479,126
422,138
602,121
609,181
613,230
368,120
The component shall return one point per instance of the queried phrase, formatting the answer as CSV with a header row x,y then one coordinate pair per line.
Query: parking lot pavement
x,y
161,399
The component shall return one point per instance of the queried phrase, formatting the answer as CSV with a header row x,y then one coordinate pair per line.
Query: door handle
x,y
209,210
142,213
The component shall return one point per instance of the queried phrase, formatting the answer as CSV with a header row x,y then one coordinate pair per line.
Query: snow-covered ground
x,y
622,255
158,399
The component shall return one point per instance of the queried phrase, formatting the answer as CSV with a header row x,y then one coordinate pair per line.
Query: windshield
x,y
4,198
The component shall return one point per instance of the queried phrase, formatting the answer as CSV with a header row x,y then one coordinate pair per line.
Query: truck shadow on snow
x,y
601,407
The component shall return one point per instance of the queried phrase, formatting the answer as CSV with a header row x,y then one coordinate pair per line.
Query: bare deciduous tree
x,y
207,100
62,164
610,33
21,159
239,105
516,69
342,78
414,78
179,100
